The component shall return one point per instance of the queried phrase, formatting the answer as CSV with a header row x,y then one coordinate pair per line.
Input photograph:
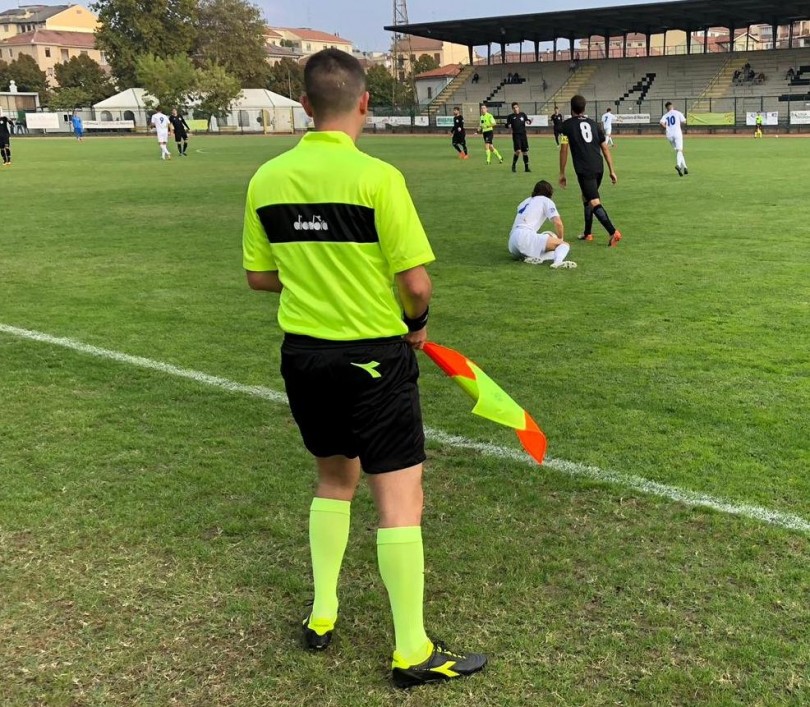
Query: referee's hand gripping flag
x,y
492,402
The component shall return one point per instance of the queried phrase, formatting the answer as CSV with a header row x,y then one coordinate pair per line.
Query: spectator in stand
x,y
791,74
475,77
737,75
509,77
545,85
761,78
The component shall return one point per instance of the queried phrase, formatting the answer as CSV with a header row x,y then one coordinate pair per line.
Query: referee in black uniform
x,y
517,123
180,129
588,146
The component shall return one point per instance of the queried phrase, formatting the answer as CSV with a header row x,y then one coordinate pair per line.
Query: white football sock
x,y
560,252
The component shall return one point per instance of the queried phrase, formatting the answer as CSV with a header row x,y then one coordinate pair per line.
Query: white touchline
x,y
630,481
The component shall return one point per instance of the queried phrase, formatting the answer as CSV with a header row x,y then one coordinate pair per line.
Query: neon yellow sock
x,y
489,156
498,154
328,536
402,567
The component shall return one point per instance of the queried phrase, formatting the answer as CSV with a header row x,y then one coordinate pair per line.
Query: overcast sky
x,y
362,20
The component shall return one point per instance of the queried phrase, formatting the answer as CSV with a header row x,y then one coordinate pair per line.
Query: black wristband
x,y
416,324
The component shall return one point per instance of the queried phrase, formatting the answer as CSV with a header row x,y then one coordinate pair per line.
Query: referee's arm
x,y
268,281
415,289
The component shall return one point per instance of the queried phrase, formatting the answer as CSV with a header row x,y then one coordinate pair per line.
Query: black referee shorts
x,y
356,399
459,138
488,135
520,143
180,136
589,185
5,140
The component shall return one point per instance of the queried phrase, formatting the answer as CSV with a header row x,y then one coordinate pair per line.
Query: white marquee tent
x,y
255,110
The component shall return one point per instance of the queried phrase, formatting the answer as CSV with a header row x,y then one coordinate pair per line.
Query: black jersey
x,y
518,122
585,138
5,125
178,123
458,125
557,121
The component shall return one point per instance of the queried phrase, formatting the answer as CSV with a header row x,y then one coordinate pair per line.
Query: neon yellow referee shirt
x,y
487,122
337,225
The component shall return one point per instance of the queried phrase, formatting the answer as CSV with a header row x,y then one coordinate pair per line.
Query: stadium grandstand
x,y
633,59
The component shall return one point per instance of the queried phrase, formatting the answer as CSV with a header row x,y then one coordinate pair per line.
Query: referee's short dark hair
x,y
578,104
333,82
543,188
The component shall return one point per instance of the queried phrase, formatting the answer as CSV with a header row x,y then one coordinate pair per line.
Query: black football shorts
x,y
589,184
356,399
520,143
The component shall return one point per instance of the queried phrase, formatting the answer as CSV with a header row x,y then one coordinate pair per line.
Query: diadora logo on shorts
x,y
370,368
316,223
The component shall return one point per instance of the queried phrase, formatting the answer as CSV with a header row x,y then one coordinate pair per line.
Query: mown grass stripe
x,y
761,514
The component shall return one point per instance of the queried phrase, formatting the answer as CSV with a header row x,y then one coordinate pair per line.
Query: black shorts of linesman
x,y
585,139
336,233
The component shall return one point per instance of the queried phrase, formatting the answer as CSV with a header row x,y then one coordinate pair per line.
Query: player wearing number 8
x,y
585,139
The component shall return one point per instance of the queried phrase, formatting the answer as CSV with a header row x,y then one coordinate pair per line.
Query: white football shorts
x,y
676,141
525,243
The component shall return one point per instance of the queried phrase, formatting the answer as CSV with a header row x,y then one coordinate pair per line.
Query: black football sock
x,y
464,145
588,220
8,154
526,161
514,161
457,147
185,146
604,219
179,149
3,152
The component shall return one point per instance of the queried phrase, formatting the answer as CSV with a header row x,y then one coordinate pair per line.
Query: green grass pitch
x,y
153,542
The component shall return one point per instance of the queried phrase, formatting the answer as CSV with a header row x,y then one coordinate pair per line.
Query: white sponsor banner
x,y
444,121
381,122
800,117
43,121
109,124
632,118
539,121
770,118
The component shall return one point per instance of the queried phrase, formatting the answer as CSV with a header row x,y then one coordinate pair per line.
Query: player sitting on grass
x,y
525,243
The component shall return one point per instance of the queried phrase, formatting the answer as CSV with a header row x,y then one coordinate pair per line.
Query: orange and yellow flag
x,y
492,402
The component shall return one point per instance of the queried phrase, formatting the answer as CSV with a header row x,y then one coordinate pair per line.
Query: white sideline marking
x,y
630,481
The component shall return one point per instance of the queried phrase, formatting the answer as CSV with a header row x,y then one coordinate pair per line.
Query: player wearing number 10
x,y
586,141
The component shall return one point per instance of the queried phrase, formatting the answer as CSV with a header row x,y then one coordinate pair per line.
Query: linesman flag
x,y
492,402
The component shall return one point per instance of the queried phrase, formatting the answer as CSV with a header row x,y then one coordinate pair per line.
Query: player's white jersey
x,y
533,212
160,122
672,121
607,122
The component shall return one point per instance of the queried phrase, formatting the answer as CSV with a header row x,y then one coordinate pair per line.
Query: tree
x,y
5,75
129,28
386,91
216,91
83,74
28,76
287,78
70,98
231,34
169,81
425,62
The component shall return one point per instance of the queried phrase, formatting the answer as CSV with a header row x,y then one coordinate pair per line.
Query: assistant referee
x,y
336,233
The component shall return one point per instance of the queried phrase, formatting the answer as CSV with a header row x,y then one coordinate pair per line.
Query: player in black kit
x,y
557,121
459,135
586,141
520,142
6,126
180,129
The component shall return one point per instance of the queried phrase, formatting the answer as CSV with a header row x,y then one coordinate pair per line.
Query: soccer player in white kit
x,y
525,243
607,123
672,121
162,126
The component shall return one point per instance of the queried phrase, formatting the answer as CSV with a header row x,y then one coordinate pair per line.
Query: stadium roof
x,y
647,18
